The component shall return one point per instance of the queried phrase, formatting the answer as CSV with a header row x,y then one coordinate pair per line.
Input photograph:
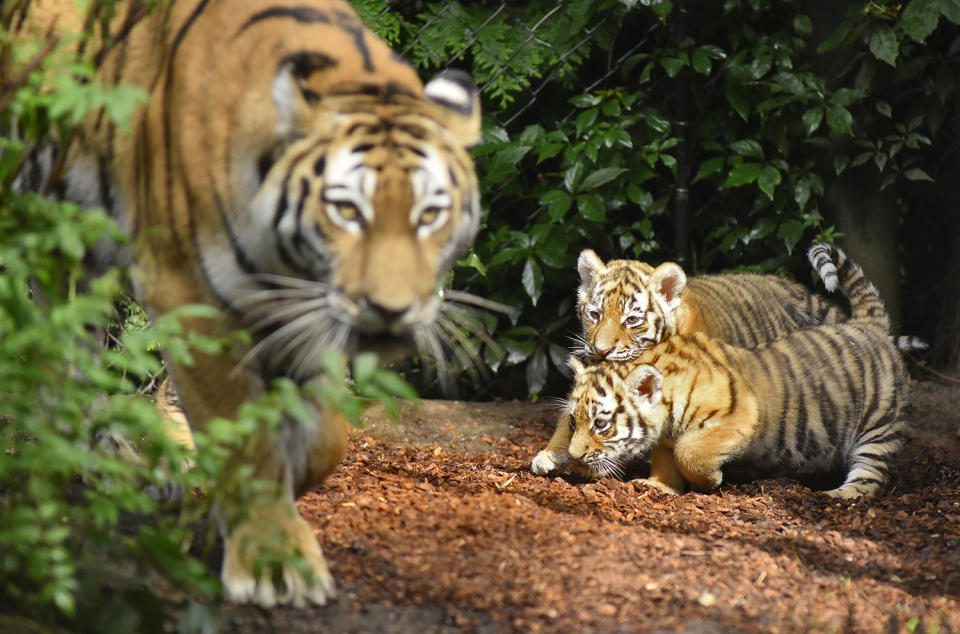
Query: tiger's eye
x,y
348,212
593,315
429,216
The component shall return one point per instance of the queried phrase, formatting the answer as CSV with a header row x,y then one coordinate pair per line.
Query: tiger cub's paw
x,y
657,484
549,462
292,584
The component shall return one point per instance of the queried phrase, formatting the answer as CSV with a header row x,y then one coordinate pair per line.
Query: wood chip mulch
x,y
457,535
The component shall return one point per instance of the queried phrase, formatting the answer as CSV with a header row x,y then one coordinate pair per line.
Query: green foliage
x,y
751,109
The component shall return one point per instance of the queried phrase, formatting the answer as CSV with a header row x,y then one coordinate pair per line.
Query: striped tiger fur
x,y
819,400
626,306
292,171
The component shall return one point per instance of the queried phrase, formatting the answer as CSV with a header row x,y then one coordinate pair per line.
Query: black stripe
x,y
239,255
299,243
302,14
135,12
357,31
167,109
198,254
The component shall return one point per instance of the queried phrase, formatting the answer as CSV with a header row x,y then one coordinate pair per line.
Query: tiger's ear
x,y
589,265
648,382
459,98
668,281
292,93
575,365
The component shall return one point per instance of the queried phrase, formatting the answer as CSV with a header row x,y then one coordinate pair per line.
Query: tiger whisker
x,y
284,313
462,297
310,351
463,349
468,322
428,345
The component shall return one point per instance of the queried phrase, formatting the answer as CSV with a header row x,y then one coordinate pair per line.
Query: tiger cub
x,y
626,306
819,400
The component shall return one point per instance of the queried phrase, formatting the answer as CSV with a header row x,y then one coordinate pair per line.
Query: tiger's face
x,y
616,416
625,306
354,226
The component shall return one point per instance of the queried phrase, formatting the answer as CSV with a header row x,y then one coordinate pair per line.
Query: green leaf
x,y
472,261
662,8
802,25
812,119
585,100
951,10
747,147
739,99
884,45
700,61
571,179
600,177
768,180
559,356
672,65
548,150
558,203
840,163
592,208
536,372
743,174
586,119
364,366
917,174
709,167
919,18
532,280
884,108
844,97
791,231
840,120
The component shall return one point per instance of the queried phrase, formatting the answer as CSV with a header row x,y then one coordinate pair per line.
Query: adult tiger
x,y
292,171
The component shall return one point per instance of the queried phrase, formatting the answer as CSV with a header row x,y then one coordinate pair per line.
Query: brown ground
x,y
435,524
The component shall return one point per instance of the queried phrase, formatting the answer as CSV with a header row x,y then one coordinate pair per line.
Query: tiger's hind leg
x,y
664,473
868,466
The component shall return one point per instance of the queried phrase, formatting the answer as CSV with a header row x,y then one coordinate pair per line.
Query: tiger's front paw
x,y
257,566
549,462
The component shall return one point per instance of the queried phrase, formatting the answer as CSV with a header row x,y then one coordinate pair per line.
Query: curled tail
x,y
836,270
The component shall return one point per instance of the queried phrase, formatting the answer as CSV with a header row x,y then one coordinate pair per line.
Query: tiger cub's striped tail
x,y
836,270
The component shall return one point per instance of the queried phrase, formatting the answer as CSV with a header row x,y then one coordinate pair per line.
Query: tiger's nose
x,y
389,314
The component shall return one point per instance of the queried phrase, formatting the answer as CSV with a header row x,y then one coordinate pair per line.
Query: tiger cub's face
x,y
616,416
626,306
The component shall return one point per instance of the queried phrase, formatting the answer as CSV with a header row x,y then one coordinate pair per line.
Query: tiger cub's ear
x,y
668,281
589,265
455,91
648,382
